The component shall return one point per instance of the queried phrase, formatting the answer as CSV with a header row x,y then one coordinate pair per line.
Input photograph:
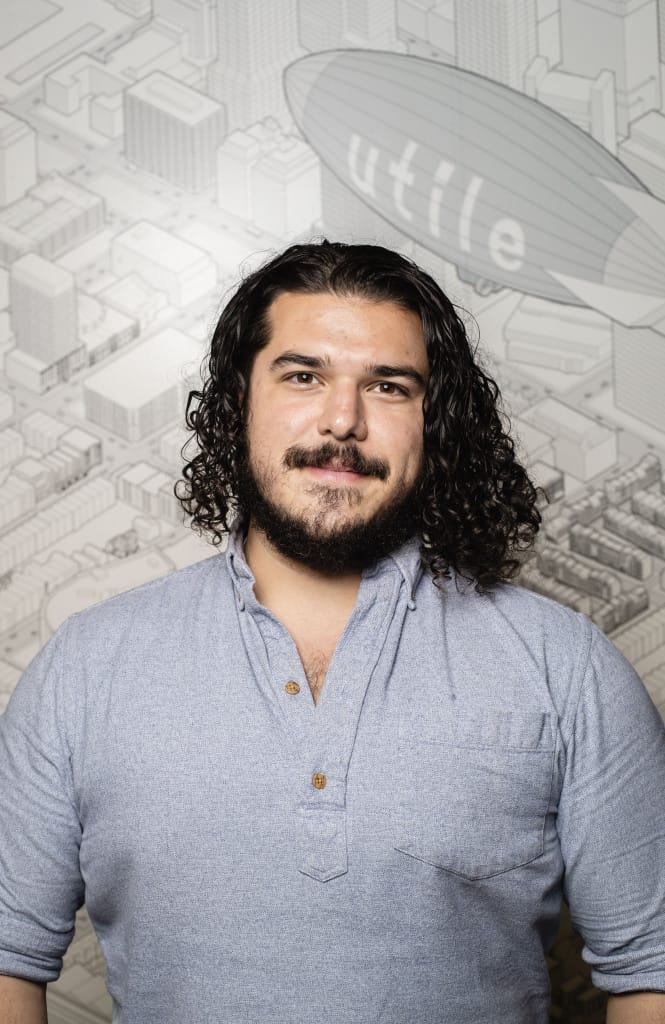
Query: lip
x,y
340,476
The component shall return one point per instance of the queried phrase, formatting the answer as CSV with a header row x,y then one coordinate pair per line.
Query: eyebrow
x,y
373,370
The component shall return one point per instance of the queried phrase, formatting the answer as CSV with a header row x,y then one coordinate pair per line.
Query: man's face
x,y
335,430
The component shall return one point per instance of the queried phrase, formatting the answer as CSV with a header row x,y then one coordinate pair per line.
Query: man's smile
x,y
349,464
336,473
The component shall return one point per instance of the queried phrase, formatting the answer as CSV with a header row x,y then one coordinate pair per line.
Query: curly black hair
x,y
479,507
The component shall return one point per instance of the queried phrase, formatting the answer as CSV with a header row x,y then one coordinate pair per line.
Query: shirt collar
x,y
235,555
406,559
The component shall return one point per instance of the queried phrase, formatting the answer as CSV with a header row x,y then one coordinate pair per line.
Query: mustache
x,y
348,457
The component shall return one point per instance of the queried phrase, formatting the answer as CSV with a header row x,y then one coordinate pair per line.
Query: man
x,y
345,771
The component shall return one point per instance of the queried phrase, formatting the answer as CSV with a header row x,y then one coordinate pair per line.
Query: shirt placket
x,y
321,737
326,734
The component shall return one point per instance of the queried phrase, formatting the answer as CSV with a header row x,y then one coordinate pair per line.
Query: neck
x,y
282,582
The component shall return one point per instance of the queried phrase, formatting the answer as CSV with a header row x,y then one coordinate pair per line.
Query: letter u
x,y
365,182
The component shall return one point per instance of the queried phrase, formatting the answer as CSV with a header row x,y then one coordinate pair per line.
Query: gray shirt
x,y
395,853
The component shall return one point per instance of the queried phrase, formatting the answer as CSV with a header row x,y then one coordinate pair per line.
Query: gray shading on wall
x,y
151,150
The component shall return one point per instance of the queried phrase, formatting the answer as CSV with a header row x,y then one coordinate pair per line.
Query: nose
x,y
343,413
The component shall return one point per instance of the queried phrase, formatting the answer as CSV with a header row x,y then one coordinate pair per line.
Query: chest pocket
x,y
473,790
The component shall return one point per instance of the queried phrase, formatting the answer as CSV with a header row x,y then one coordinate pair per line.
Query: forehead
x,y
348,324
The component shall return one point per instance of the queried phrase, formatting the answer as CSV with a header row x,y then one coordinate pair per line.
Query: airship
x,y
493,181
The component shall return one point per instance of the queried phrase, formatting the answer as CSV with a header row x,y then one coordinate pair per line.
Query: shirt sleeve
x,y
611,824
40,882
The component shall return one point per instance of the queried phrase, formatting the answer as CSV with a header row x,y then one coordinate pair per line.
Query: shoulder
x,y
512,609
584,667
162,602
118,645
512,642
542,614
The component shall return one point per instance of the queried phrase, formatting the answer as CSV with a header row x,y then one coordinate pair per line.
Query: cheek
x,y
263,423
415,455
283,420
271,433
258,441
406,438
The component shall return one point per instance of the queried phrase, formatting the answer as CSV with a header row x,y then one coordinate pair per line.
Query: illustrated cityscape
x,y
153,151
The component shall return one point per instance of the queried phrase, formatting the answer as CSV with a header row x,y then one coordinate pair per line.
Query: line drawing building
x,y
427,28
256,39
639,372
167,263
55,215
644,150
142,390
44,315
620,36
173,131
589,103
12,446
369,23
196,18
286,187
236,159
57,520
320,24
582,447
270,179
18,158
45,324
137,8
481,24
566,338
149,490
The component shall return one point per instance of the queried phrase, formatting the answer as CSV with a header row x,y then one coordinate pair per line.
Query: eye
x,y
398,389
297,378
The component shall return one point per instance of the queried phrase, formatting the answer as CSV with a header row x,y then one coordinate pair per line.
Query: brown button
x,y
292,687
319,780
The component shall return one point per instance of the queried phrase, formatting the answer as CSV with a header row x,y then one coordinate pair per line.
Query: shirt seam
x,y
161,581
77,719
68,788
582,677
60,718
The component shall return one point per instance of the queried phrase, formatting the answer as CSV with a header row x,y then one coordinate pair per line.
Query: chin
x,y
327,527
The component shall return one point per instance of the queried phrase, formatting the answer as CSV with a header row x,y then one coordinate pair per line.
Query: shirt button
x,y
319,780
292,687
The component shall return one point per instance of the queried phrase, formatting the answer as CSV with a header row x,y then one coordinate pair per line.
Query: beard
x,y
358,542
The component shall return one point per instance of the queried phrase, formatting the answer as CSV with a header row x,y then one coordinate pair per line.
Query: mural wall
x,y
152,150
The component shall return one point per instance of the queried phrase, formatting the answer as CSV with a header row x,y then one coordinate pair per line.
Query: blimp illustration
x,y
491,180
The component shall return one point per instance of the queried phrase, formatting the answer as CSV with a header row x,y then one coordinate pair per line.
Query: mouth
x,y
336,472
336,466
